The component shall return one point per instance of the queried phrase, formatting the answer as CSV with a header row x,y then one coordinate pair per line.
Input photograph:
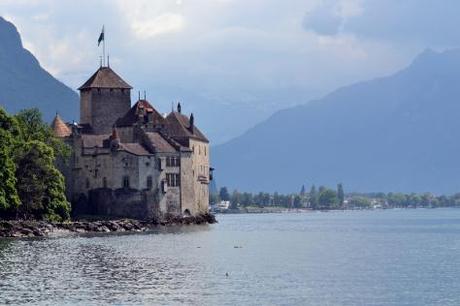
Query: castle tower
x,y
104,98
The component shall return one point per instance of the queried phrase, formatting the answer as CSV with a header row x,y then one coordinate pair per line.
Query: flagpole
x,y
103,44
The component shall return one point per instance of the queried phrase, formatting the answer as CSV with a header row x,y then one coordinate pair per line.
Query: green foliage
x,y
313,197
223,194
33,127
40,185
328,199
235,200
31,186
340,194
9,198
359,201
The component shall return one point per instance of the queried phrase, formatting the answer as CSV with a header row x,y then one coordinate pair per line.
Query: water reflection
x,y
350,258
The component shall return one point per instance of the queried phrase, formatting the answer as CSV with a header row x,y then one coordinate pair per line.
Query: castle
x,y
130,161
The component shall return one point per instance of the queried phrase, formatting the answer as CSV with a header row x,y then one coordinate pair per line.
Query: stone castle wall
x,y
200,173
101,107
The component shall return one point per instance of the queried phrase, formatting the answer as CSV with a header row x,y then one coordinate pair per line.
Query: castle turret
x,y
104,98
60,129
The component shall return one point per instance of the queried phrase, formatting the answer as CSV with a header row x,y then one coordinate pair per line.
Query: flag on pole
x,y
101,37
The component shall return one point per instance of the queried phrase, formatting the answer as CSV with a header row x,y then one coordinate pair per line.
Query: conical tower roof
x,y
59,127
105,77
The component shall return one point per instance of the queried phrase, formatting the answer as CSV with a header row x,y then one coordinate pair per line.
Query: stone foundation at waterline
x,y
23,229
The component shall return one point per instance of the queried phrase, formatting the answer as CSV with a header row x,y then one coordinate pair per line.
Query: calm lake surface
x,y
391,257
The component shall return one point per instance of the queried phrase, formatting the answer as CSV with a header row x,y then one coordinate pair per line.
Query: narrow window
x,y
177,180
87,183
149,182
125,181
159,164
104,182
168,179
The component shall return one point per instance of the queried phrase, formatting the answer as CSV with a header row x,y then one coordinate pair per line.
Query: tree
x,y
9,198
223,194
313,197
9,130
40,185
327,199
213,198
340,194
32,127
235,200
302,191
361,202
297,201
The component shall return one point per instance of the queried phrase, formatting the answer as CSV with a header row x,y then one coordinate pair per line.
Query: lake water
x,y
391,257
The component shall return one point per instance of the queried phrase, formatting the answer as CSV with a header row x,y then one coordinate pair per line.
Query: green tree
x,y
9,198
223,194
340,194
361,202
9,131
327,199
235,200
32,127
297,201
213,198
313,197
40,185
302,191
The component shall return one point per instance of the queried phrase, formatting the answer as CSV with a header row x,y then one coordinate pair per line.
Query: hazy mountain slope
x,y
25,84
399,133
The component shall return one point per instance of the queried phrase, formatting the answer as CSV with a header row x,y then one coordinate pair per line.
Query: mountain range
x,y
26,84
396,133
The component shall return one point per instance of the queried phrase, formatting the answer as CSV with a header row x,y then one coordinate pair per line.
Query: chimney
x,y
114,140
192,122
179,108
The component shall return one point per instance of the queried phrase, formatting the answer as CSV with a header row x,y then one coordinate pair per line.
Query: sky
x,y
233,62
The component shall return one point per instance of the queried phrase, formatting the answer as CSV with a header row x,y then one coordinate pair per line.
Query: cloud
x,y
329,17
163,24
257,55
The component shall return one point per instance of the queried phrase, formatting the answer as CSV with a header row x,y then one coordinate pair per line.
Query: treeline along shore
x,y
32,189
325,198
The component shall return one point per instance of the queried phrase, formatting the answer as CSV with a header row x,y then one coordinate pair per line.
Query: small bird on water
x,y
226,274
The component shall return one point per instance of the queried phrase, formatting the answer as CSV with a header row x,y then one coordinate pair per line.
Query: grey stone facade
x,y
131,161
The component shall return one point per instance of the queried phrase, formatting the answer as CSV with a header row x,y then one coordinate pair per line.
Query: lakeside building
x,y
131,161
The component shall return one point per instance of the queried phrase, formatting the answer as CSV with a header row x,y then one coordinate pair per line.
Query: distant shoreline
x,y
269,210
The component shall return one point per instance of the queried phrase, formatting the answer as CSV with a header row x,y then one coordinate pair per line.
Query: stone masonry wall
x,y
107,105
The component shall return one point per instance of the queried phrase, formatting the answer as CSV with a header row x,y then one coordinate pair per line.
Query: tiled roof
x,y
59,127
178,125
134,148
140,107
101,141
105,77
159,143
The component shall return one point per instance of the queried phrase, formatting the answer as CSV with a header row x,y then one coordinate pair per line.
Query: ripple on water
x,y
343,258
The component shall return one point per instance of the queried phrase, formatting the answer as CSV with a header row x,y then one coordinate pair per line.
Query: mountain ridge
x,y
26,84
369,136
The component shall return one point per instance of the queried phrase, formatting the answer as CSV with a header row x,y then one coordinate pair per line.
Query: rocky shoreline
x,y
21,229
